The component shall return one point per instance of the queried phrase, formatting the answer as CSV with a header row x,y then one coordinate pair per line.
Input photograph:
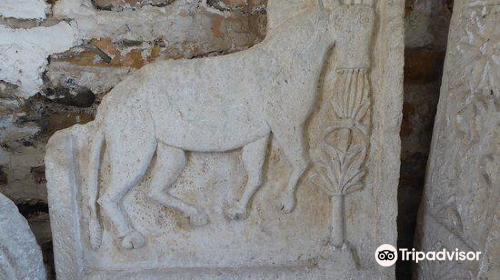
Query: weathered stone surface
x,y
157,186
20,255
461,203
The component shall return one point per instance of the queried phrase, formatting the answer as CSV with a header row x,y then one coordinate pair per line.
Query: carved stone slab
x,y
20,255
263,164
461,205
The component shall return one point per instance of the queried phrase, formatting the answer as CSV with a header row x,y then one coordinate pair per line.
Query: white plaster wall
x,y
24,52
25,9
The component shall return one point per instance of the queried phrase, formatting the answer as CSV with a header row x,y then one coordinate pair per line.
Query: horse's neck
x,y
298,48
300,33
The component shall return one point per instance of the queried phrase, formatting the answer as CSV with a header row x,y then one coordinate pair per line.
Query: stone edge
x,y
390,106
63,208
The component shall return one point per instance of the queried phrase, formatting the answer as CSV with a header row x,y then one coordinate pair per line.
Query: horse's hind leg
x,y
129,161
170,162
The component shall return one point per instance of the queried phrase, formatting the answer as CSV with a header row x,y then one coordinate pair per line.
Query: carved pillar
x,y
461,202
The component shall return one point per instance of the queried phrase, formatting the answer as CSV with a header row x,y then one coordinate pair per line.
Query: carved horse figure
x,y
213,104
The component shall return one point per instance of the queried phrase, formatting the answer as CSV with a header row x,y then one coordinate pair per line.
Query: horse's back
x,y
207,104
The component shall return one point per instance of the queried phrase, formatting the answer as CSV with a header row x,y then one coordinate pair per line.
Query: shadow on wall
x,y
426,31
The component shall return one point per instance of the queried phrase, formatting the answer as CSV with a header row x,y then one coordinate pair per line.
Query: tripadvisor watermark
x,y
443,255
387,255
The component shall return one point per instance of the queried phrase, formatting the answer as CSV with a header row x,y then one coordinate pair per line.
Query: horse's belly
x,y
208,124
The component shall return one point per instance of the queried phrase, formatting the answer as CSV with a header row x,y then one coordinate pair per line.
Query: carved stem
x,y
337,234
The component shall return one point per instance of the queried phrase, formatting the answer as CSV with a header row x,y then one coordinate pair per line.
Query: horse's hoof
x,y
237,213
199,219
286,204
133,240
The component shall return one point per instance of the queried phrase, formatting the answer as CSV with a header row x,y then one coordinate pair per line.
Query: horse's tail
x,y
93,190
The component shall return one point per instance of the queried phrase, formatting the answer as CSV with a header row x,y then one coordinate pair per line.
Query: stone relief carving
x,y
339,169
147,179
462,212
20,255
206,113
339,165
480,47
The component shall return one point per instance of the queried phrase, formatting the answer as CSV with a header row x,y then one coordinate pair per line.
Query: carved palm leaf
x,y
339,171
352,101
327,170
353,172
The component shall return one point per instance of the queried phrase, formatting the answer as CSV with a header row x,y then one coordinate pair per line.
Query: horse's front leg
x,y
254,156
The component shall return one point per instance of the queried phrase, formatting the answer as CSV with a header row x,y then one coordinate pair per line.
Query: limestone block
x,y
20,255
461,203
261,164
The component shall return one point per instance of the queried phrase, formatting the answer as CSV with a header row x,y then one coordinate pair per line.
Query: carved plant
x,y
476,122
480,114
339,169
479,50
339,172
